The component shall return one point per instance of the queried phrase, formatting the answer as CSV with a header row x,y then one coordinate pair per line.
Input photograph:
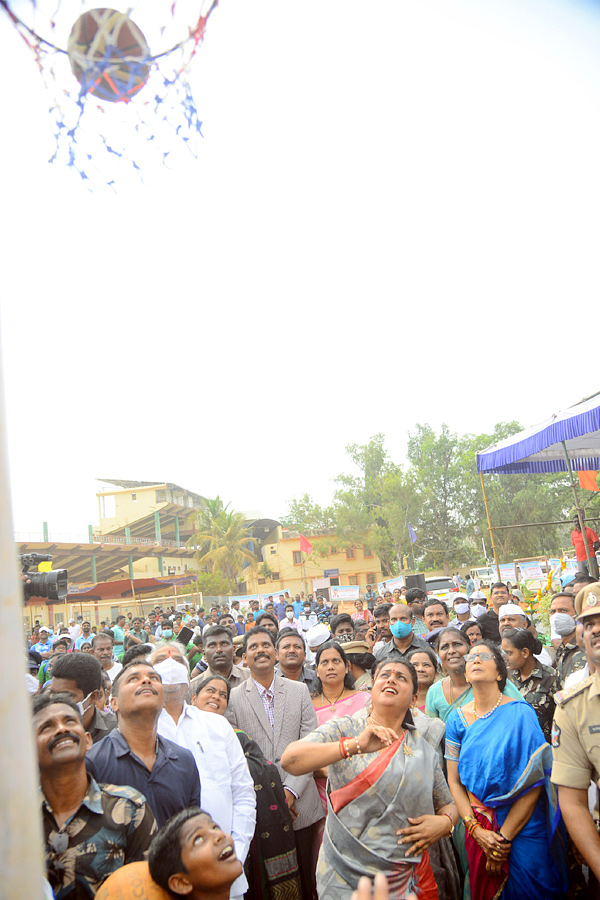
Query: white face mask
x,y
290,614
172,672
461,608
477,610
562,624
81,704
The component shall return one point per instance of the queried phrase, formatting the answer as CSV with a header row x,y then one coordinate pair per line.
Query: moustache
x,y
61,737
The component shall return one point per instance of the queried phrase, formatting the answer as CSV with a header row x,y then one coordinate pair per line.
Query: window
x,y
297,557
367,553
275,576
371,578
353,579
262,580
161,496
133,498
273,551
351,553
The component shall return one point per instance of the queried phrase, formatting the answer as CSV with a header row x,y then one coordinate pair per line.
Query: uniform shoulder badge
x,y
562,697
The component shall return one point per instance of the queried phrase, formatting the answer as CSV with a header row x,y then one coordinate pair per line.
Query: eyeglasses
x,y
471,657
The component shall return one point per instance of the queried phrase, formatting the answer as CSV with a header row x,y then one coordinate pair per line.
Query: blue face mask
x,y
167,633
401,629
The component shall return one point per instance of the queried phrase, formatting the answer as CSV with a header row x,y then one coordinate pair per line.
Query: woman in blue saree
x,y
387,797
498,770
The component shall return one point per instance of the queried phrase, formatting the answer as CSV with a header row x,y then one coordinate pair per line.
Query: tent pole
x,y
487,512
580,512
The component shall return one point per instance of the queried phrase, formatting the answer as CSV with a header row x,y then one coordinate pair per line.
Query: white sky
x,y
393,219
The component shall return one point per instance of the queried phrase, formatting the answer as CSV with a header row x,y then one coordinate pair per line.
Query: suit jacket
x,y
295,717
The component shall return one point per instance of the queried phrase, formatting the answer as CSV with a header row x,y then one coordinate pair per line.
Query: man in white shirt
x,y
307,619
227,789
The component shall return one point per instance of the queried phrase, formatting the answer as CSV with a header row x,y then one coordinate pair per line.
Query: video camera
x,y
50,585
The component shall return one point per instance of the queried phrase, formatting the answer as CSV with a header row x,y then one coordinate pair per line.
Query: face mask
x,y
171,671
401,629
477,610
562,624
167,633
80,704
461,608
290,614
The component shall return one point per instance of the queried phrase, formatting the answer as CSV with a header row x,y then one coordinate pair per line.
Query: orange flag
x,y
587,480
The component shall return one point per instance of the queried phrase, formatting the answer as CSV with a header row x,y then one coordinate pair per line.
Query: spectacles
x,y
471,657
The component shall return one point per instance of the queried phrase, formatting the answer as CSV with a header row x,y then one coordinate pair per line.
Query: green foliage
x,y
439,494
223,543
265,570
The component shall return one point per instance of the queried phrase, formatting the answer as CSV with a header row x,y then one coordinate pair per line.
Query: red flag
x,y
305,546
587,480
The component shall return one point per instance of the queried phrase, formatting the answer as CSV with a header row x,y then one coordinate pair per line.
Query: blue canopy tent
x,y
568,441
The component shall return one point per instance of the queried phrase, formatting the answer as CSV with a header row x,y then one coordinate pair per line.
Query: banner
x,y
507,572
531,569
390,584
274,594
344,593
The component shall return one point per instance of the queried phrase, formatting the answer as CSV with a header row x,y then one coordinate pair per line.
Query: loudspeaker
x,y
415,581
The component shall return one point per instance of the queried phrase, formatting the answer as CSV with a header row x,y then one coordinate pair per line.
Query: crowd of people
x,y
287,751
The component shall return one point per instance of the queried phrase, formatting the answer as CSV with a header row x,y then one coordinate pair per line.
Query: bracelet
x,y
358,750
472,827
343,748
468,819
451,823
505,840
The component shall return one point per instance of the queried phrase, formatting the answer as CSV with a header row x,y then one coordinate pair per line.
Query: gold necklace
x,y
485,715
331,702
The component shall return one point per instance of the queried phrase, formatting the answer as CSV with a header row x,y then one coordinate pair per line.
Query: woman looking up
x,y
534,681
454,690
497,757
426,667
388,799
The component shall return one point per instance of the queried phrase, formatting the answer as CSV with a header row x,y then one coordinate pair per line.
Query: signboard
x,y
344,593
390,584
331,573
244,601
531,569
507,572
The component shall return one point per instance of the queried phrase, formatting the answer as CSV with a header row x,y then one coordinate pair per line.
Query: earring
x,y
370,709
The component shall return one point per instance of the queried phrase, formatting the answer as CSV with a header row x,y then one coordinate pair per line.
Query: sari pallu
x,y
347,707
364,815
500,759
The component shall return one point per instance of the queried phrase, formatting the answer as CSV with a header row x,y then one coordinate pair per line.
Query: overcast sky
x,y
393,219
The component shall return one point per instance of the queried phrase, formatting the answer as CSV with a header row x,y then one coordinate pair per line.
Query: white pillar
x,y
21,864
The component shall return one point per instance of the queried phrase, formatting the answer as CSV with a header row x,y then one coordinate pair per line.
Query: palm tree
x,y
222,540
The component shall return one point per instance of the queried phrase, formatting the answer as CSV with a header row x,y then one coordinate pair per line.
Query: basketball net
x,y
116,110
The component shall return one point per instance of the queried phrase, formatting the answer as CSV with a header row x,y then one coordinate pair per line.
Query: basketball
x,y
132,882
109,55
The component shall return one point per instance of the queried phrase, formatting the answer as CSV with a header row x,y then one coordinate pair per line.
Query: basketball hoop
x,y
118,79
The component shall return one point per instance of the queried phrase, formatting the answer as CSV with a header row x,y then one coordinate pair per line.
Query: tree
x,y
308,517
223,542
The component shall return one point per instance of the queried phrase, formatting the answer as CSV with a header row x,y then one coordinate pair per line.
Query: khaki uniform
x,y
576,735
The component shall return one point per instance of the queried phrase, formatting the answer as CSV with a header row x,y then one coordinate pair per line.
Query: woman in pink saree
x,y
388,800
334,696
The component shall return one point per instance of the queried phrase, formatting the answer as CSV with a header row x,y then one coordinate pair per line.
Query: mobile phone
x,y
185,635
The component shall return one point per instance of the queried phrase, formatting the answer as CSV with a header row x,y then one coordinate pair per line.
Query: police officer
x,y
576,738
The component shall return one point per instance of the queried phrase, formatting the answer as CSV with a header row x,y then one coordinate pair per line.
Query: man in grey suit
x,y
276,711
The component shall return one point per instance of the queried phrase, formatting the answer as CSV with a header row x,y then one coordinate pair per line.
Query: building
x,y
292,571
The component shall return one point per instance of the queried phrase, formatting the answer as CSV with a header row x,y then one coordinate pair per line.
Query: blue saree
x,y
500,759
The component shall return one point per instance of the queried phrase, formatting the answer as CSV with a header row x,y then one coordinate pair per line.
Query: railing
x,y
28,537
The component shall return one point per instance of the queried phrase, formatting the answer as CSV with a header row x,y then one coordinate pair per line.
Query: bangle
x,y
451,823
358,750
468,819
343,748
472,827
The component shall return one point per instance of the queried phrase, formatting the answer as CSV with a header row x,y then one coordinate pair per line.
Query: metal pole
x,y
21,838
580,511
487,512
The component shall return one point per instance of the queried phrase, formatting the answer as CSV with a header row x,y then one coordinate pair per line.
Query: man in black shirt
x,y
488,622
